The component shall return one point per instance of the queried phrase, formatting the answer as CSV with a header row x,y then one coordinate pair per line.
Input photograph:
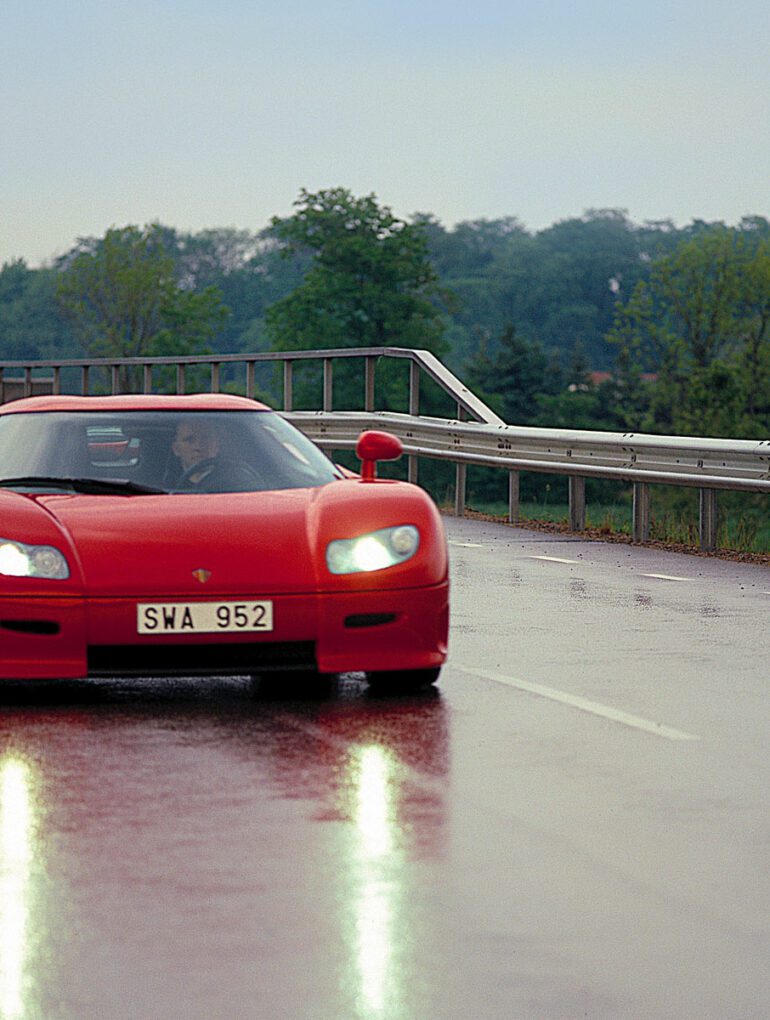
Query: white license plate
x,y
203,617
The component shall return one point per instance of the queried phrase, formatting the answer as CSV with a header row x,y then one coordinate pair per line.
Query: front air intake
x,y
200,660
31,626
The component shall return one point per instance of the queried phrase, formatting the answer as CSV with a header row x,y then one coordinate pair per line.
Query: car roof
x,y
136,402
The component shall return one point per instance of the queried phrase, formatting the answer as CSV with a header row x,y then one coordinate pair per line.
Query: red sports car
x,y
186,535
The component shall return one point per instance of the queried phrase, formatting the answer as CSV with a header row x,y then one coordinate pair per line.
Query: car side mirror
x,y
374,446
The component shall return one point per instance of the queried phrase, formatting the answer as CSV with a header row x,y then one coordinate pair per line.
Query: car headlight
x,y
375,551
20,560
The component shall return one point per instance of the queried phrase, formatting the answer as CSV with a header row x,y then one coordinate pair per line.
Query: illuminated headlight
x,y
20,560
375,551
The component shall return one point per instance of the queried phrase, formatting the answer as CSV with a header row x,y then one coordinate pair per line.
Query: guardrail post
x,y
84,380
288,394
115,374
414,409
180,379
641,512
369,384
513,497
414,388
708,519
215,377
147,379
577,503
250,379
461,477
328,384
461,473
27,382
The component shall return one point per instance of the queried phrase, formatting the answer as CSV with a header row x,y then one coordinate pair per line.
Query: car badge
x,y
201,575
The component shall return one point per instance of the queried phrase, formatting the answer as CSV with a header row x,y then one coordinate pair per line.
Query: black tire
x,y
402,681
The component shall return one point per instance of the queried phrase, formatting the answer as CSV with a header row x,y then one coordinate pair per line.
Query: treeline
x,y
680,317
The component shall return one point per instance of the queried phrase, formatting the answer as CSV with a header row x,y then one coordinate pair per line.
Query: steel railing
x,y
643,460
476,436
46,376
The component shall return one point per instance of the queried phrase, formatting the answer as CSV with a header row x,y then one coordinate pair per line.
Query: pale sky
x,y
215,113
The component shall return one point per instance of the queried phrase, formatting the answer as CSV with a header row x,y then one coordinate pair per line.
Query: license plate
x,y
203,617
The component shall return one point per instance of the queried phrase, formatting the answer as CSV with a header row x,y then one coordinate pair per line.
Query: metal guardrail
x,y
46,376
642,460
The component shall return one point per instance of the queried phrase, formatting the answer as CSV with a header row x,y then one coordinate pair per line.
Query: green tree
x,y
514,376
558,286
701,321
754,314
580,266
122,297
30,323
370,282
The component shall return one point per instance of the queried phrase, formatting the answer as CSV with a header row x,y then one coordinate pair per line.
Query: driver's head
x,y
194,441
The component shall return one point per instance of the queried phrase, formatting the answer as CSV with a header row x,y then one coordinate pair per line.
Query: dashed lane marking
x,y
594,707
467,545
667,577
553,559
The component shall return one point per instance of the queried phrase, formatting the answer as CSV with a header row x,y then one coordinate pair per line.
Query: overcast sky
x,y
205,113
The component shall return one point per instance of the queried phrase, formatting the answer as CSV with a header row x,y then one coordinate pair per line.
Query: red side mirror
x,y
374,446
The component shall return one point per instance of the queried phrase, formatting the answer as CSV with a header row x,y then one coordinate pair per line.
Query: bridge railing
x,y
476,436
25,378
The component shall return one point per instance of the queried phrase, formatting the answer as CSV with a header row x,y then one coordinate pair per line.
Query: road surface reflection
x,y
377,895
17,835
382,767
178,843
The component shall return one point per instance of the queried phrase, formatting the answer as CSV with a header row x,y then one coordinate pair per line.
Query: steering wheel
x,y
218,470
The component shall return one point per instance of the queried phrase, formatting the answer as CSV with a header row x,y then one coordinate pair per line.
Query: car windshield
x,y
166,451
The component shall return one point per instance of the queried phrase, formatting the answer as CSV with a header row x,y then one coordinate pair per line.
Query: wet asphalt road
x,y
574,824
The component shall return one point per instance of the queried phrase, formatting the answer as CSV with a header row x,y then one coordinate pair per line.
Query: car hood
x,y
191,545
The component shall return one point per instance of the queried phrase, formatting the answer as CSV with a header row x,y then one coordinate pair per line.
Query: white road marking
x,y
594,707
553,559
467,545
667,577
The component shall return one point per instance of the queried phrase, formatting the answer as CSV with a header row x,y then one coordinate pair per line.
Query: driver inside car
x,y
197,447
195,443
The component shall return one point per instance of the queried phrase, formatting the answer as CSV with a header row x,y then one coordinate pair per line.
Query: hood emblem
x,y
201,575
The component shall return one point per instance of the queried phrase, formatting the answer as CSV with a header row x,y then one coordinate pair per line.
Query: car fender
x,y
352,507
24,519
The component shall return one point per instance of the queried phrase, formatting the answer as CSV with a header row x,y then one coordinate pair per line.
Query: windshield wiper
x,y
90,486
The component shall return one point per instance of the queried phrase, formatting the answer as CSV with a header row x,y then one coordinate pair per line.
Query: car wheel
x,y
400,681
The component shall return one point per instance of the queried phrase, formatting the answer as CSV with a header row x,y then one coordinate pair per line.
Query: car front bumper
x,y
68,638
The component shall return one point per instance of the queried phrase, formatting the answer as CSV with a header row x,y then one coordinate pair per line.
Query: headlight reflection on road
x,y
373,804
16,852
375,906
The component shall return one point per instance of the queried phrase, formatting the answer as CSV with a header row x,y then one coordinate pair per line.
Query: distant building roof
x,y
597,378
